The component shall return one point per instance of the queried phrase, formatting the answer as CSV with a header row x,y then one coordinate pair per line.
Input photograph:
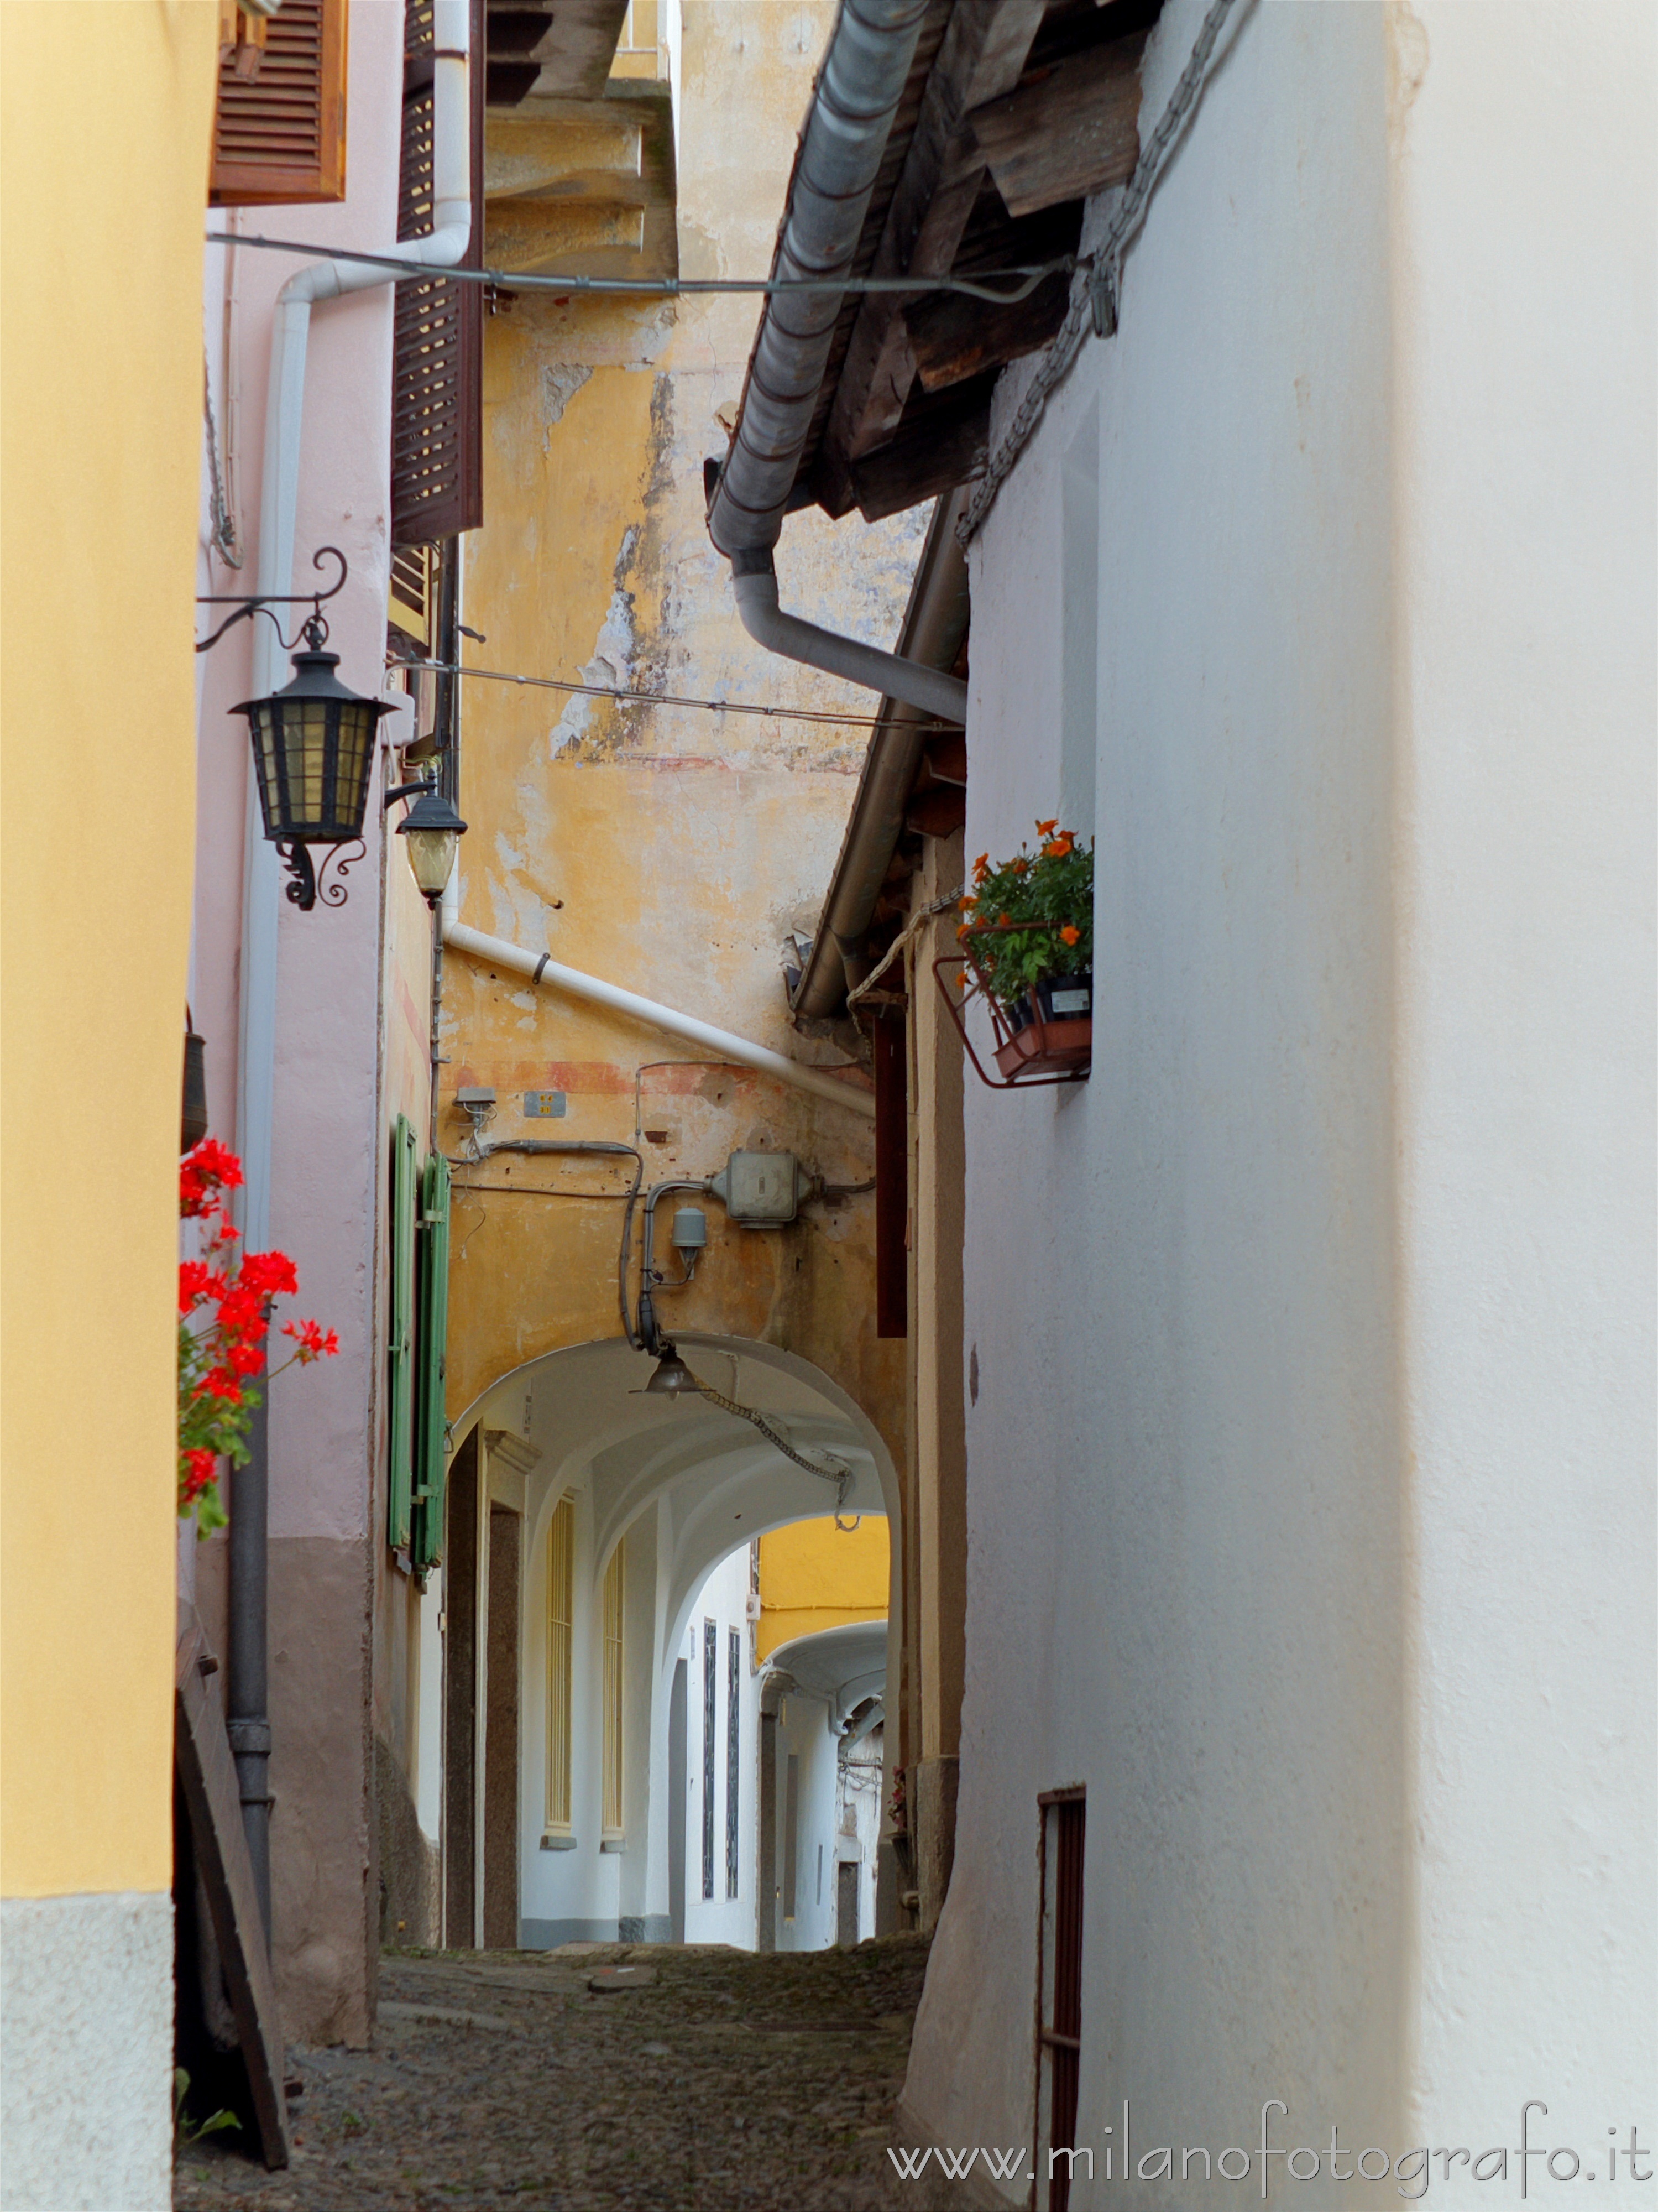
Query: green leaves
x,y
1054,887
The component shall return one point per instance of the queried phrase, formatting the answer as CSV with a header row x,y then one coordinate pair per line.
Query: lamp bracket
x,y
409,790
310,882
313,628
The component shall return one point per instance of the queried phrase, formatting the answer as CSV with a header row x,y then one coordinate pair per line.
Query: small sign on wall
x,y
544,1105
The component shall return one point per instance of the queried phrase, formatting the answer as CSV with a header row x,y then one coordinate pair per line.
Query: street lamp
x,y
434,829
313,755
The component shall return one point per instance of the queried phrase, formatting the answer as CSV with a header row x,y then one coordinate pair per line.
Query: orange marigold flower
x,y
1047,829
1019,863
968,904
981,867
1071,936
1060,847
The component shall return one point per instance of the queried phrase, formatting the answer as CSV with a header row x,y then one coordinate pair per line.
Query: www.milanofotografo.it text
x,y
1527,2162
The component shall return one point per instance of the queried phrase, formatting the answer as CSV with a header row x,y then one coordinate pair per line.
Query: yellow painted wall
x,y
104,113
813,1576
666,849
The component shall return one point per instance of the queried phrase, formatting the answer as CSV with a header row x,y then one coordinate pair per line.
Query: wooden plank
x,y
1073,131
953,337
983,51
934,451
202,1753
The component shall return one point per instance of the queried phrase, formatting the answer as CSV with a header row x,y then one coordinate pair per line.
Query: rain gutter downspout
x,y
279,492
542,969
846,128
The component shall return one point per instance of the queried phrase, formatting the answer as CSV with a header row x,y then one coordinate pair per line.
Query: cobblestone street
x,y
613,2076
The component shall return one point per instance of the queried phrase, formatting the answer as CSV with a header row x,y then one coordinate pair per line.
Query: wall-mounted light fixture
x,y
434,829
313,758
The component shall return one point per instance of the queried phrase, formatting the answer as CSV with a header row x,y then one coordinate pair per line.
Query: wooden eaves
x,y
1014,111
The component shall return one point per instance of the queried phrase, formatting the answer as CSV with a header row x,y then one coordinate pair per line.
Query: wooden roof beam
x,y
983,53
1075,130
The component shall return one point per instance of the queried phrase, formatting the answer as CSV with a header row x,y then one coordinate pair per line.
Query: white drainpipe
x,y
541,968
279,492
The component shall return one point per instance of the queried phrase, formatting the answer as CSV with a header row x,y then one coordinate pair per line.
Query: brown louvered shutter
x,y
437,362
279,134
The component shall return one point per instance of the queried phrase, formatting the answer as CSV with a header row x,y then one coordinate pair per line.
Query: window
x,y
710,1651
279,128
1058,1992
733,1750
791,1835
613,1601
561,1656
430,1423
400,1339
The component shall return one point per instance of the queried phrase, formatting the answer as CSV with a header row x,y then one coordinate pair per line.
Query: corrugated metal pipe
x,y
847,125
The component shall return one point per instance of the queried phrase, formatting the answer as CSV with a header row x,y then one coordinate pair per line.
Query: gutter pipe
x,y
542,969
246,1700
935,623
848,125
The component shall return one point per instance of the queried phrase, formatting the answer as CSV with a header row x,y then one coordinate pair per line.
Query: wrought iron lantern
x,y
314,755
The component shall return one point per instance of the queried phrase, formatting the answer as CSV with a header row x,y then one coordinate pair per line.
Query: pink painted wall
x,y
327,1164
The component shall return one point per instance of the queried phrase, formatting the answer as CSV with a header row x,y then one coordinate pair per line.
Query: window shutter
x,y
400,1335
437,361
279,134
430,1426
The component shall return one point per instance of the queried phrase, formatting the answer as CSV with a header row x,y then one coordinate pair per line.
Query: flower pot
x,y
1047,1047
1066,998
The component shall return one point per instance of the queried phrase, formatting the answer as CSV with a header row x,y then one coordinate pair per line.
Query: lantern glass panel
x,y
432,858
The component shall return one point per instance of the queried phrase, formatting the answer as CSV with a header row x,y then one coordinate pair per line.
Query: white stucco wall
x,y
1309,1468
86,2018
723,1599
804,1732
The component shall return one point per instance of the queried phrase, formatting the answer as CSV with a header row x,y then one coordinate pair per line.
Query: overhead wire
x,y
667,698
986,286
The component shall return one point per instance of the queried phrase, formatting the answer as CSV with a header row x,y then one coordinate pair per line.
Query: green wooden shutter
x,y
430,1426
400,1336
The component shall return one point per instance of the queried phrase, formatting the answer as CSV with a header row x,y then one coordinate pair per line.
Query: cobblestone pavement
x,y
704,2078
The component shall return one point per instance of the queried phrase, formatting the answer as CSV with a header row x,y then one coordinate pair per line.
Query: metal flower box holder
x,y
1042,1051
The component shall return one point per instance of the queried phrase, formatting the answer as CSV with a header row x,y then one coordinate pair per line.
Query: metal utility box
x,y
760,1190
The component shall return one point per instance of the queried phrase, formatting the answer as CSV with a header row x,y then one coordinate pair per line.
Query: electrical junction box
x,y
761,1190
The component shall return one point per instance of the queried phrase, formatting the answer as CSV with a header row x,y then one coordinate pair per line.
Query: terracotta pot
x,y
1045,1047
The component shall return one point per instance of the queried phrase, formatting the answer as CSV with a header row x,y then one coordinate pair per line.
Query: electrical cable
x,y
669,698
1028,275
912,928
841,1475
533,1145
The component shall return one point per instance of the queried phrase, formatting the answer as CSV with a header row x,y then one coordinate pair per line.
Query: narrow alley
x,y
600,2075
829,1296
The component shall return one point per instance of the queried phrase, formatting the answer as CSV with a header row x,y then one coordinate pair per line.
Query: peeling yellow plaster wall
x,y
667,849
